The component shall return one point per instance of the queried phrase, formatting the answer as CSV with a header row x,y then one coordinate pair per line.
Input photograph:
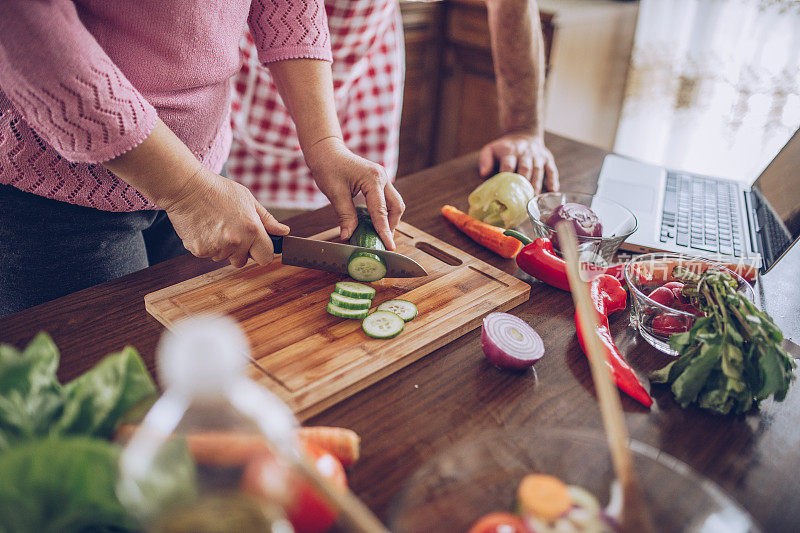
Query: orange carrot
x,y
227,448
342,443
544,496
486,235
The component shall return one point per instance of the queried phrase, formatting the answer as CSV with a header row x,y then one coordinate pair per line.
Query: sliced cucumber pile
x,y
402,308
382,325
342,312
353,300
354,290
350,303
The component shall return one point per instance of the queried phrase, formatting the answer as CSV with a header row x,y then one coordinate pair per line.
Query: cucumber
x,y
354,290
364,266
382,325
402,308
341,312
365,234
347,302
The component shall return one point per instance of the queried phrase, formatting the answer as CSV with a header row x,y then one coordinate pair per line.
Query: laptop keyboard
x,y
701,213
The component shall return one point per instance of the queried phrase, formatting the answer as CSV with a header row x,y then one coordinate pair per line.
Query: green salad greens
x,y
57,470
34,404
731,359
61,484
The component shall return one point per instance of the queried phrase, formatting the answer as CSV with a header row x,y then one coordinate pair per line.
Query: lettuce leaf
x,y
61,485
95,401
34,404
30,396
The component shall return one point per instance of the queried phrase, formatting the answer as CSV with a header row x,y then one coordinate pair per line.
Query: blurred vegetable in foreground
x,y
56,471
61,485
34,404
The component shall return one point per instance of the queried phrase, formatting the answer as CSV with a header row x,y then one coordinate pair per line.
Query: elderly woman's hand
x,y
218,218
341,175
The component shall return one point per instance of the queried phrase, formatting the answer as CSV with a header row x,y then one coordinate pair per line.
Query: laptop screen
x,y
778,189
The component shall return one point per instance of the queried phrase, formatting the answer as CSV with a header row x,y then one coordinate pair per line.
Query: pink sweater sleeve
x,y
65,86
290,29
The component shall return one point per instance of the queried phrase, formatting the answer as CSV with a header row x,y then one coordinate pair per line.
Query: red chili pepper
x,y
608,295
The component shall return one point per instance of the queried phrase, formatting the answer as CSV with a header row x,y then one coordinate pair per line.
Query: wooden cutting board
x,y
313,360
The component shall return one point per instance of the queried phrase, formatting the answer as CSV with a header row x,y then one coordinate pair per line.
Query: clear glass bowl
x,y
618,221
479,476
644,310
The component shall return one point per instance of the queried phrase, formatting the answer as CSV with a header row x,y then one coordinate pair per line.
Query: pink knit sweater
x,y
83,81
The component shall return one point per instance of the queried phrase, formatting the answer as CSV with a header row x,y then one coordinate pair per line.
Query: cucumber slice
x,y
402,308
382,325
365,266
341,312
347,302
354,290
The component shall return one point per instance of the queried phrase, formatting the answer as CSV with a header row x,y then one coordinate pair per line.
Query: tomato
x,y
499,523
308,511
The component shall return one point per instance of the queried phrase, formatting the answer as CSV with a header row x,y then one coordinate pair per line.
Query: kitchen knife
x,y
333,257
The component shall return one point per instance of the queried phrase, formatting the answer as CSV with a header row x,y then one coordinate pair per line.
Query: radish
x,y
666,325
677,289
663,296
509,343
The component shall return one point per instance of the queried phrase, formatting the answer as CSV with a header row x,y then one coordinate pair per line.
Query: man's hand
x,y
218,218
341,175
523,153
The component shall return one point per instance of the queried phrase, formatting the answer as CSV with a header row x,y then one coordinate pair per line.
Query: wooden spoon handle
x,y
634,515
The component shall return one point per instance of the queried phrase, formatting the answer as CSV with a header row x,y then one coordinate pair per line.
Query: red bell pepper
x,y
538,259
608,295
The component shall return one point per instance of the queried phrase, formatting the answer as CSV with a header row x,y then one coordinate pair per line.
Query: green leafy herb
x,y
732,358
61,485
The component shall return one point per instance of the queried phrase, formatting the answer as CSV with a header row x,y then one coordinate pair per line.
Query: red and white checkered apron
x,y
368,69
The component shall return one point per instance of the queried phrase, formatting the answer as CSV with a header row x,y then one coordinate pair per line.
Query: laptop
x,y
707,216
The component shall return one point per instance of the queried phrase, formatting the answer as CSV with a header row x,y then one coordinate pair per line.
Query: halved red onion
x,y
510,343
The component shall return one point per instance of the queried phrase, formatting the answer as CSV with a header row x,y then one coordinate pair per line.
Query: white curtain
x,y
714,85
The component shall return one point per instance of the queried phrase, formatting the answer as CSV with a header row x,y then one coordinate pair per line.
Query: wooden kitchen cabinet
x,y
450,101
423,24
468,112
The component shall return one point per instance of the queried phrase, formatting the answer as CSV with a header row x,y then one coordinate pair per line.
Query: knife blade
x,y
333,257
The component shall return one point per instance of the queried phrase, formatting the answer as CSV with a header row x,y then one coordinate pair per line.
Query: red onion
x,y
509,342
584,221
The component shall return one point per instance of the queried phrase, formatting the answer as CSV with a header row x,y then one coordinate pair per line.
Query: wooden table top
x,y
454,393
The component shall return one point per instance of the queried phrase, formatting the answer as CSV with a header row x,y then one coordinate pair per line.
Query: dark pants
x,y
50,248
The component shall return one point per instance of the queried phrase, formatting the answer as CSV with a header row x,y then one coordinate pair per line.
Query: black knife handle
x,y
277,243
